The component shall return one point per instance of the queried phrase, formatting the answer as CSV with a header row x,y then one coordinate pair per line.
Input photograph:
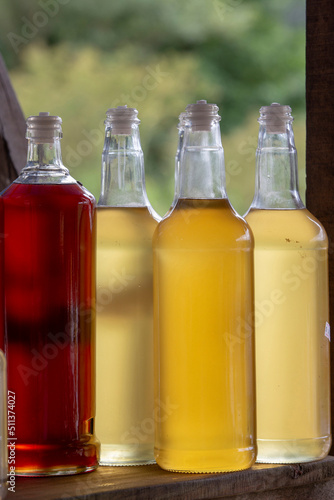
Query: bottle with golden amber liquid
x,y
291,304
203,313
124,305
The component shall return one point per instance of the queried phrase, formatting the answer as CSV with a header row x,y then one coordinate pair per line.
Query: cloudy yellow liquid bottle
x,y
291,304
203,313
124,302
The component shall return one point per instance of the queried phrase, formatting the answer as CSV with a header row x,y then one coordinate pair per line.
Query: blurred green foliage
x,y
76,58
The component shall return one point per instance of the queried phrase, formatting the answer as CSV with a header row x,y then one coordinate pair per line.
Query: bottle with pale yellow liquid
x,y
124,304
291,304
203,313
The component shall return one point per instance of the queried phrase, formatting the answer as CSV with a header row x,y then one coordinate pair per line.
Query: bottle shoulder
x,y
46,194
293,228
209,223
125,225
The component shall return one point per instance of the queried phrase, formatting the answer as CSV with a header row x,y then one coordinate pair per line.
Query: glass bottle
x,y
180,128
203,307
125,226
49,283
291,304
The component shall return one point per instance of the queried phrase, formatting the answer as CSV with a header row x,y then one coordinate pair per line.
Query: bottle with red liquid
x,y
49,278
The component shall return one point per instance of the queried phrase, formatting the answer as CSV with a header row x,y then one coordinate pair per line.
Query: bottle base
x,y
288,451
122,455
205,461
67,471
56,460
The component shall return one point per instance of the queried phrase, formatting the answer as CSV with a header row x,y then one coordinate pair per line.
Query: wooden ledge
x,y
301,481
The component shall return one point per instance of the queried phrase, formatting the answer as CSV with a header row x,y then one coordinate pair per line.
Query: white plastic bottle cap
x,y
121,119
44,128
275,117
201,115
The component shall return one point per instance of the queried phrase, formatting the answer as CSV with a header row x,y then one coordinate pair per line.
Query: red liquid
x,y
50,345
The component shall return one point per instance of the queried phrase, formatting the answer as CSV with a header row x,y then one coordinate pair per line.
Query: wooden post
x,y
320,131
13,145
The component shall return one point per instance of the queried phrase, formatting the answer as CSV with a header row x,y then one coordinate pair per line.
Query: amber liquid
x,y
125,419
292,351
49,292
204,352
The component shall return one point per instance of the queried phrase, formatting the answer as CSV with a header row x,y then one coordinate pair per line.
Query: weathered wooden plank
x,y
150,482
322,491
319,128
13,145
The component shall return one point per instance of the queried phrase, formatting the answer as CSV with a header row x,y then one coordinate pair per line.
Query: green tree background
x,y
77,58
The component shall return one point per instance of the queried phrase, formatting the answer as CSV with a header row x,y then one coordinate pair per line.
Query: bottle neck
x,y
44,164
276,185
44,155
202,169
177,165
123,176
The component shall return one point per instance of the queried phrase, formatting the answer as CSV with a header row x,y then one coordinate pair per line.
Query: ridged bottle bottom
x,y
205,461
287,451
126,454
56,460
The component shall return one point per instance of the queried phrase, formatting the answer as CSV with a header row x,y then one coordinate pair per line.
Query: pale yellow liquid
x,y
124,417
204,357
292,352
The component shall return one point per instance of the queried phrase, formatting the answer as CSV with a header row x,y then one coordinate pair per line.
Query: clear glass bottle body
x,y
291,307
203,306
49,275
125,226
